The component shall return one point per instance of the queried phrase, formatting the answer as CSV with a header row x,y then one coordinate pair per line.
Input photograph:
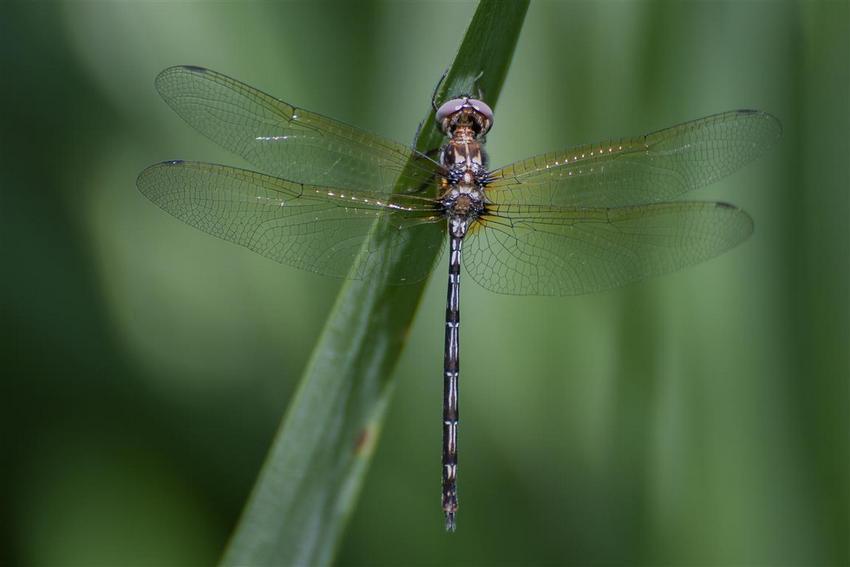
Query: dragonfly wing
x,y
656,167
306,226
291,142
575,251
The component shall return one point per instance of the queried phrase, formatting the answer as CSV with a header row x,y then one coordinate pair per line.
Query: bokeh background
x,y
695,419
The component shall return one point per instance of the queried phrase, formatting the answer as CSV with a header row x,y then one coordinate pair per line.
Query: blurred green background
x,y
695,419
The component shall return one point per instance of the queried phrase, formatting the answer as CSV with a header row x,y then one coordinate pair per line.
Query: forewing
x,y
570,252
656,167
291,142
306,226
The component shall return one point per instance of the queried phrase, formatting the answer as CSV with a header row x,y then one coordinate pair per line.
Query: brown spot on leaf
x,y
361,441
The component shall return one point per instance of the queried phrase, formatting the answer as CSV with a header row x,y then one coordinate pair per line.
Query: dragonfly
x,y
581,220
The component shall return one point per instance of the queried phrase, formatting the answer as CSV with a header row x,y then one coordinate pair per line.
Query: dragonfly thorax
x,y
464,161
463,182
462,202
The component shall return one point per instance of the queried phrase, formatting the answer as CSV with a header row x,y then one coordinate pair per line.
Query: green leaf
x,y
308,486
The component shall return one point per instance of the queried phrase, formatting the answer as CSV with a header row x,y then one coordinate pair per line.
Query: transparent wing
x,y
652,168
290,142
575,251
306,226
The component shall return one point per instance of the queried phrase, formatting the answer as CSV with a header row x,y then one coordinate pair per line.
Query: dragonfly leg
x,y
437,88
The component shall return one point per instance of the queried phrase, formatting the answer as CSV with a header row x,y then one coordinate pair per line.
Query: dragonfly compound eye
x,y
465,111
484,114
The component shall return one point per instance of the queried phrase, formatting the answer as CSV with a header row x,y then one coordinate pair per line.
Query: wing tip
x,y
166,163
774,122
747,222
163,76
146,172
193,68
183,68
722,205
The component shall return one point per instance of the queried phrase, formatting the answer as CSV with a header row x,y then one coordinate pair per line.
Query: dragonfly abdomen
x,y
451,369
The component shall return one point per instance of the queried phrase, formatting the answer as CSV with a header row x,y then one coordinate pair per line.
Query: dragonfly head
x,y
465,112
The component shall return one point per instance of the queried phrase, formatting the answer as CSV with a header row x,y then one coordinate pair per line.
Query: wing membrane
x,y
306,226
570,252
652,168
290,142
